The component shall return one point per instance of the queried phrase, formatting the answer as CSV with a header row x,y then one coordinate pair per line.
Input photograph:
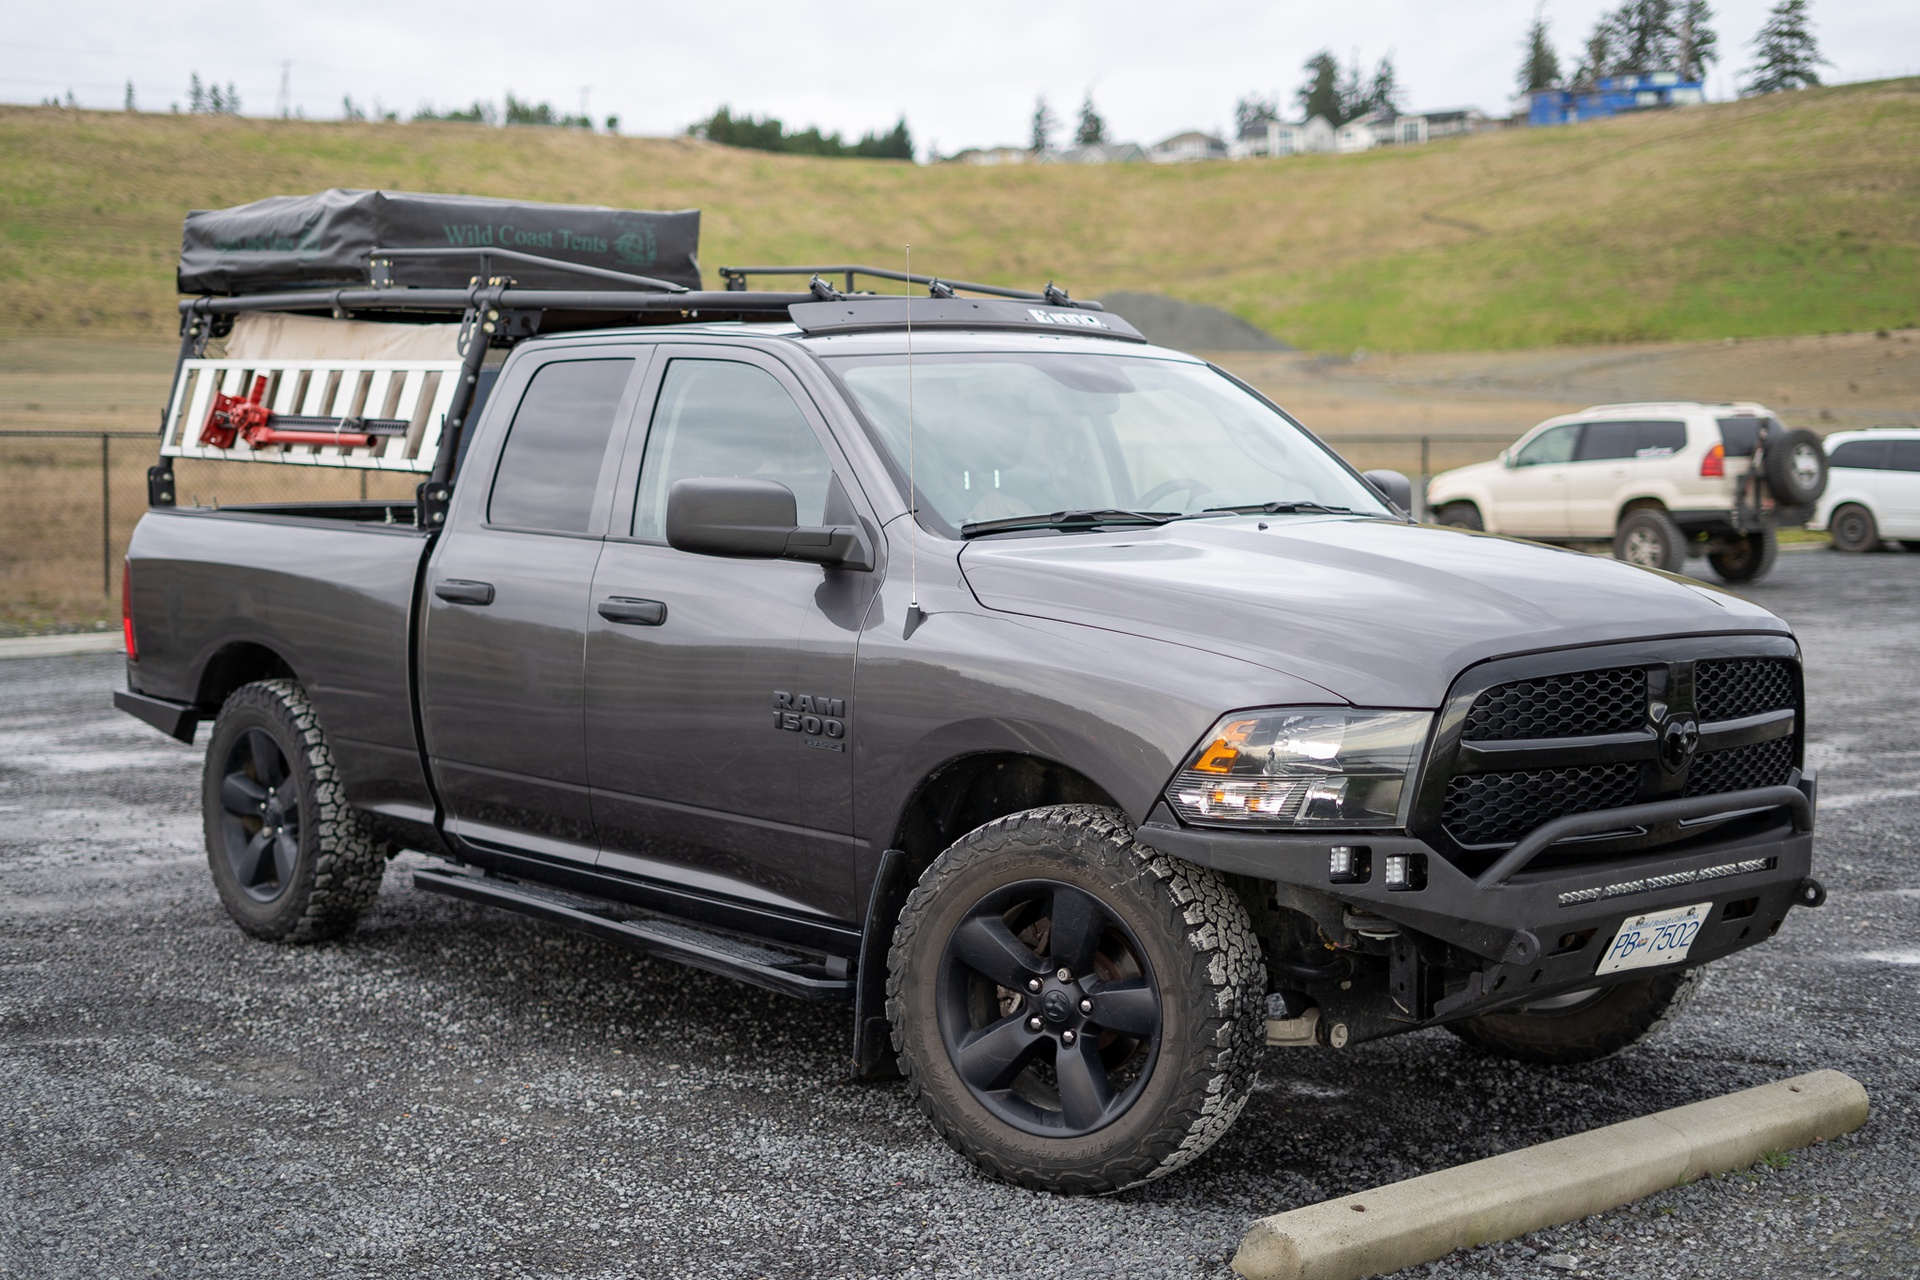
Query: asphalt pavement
x,y
454,1092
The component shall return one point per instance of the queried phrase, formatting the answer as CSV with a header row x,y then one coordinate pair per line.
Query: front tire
x,y
1124,1069
293,862
1649,538
1746,558
1853,529
1460,515
1584,1026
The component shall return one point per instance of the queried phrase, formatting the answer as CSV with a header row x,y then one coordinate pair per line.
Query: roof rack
x,y
736,278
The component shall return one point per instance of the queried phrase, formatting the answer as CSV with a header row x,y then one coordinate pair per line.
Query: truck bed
x,y
321,591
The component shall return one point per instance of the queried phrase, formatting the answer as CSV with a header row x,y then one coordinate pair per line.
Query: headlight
x,y
1303,767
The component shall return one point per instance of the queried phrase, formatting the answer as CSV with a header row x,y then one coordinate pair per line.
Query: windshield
x,y
1006,435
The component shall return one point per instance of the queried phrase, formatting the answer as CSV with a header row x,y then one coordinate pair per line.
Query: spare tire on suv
x,y
1796,468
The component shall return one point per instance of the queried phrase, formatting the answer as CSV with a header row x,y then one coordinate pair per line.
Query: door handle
x,y
462,591
643,613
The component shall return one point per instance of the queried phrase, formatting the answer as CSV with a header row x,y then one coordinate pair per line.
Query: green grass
x,y
1797,213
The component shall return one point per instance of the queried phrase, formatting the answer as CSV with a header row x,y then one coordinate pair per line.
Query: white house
x,y
1188,146
1281,138
1096,153
993,155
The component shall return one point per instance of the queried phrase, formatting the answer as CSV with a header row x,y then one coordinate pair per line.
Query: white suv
x,y
1661,481
1874,492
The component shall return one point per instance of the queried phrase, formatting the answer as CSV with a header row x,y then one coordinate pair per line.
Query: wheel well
x,y
974,790
236,665
1638,504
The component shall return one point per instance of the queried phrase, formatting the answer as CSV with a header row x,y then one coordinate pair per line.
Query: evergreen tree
x,y
196,95
1695,43
1253,113
348,111
1540,68
1784,52
1044,124
1319,93
1353,93
895,144
1644,36
233,99
1092,130
1597,59
216,101
1384,94
130,106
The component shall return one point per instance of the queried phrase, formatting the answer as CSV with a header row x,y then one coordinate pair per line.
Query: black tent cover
x,y
323,241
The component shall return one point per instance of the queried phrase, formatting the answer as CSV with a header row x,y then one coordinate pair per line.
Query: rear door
x,y
507,603
1530,497
719,691
1900,487
1616,461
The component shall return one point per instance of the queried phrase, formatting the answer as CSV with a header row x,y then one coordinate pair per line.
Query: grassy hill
x,y
1798,213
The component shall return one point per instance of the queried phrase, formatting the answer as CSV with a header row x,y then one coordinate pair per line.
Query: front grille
x,y
1729,688
1499,808
1571,706
1758,764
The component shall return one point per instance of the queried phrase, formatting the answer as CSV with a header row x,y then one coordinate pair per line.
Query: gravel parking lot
x,y
452,1092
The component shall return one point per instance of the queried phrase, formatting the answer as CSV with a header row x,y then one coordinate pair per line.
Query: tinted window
x,y
1555,445
1606,440
1864,455
727,418
1906,455
1658,439
551,464
1740,434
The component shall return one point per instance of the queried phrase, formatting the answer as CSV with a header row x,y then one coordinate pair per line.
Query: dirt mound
x,y
1172,323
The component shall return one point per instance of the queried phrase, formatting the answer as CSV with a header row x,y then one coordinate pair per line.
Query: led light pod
x,y
1302,767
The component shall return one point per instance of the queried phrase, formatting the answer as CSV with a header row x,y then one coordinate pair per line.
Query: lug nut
x,y
1066,1037
1033,1024
1065,975
1086,1006
1033,984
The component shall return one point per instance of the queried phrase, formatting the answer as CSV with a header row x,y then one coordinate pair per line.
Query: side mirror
x,y
1507,458
755,519
1394,487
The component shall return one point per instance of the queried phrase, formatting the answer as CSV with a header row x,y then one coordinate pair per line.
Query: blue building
x,y
1612,96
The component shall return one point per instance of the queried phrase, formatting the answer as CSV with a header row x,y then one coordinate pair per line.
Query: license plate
x,y
1660,937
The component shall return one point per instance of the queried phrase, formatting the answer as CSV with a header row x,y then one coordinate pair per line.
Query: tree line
x,y
1644,36
769,134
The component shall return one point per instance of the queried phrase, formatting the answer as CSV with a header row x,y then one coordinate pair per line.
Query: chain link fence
x,y
69,501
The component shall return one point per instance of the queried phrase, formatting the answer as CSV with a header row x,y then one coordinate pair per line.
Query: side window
x,y
1906,455
550,466
1658,439
727,418
1741,434
1550,446
1601,440
1863,455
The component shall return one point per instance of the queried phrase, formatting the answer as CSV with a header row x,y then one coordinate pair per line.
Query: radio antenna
x,y
914,612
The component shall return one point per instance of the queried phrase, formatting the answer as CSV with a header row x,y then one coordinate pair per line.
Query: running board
x,y
667,939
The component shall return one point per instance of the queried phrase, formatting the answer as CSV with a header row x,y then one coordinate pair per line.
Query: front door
x,y
1899,490
507,602
1530,497
719,690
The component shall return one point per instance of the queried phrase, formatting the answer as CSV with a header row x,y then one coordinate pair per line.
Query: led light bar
x,y
1576,897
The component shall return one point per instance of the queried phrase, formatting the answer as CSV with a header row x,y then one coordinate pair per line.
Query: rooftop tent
x,y
325,241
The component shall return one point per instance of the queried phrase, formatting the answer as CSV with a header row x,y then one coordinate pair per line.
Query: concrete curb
x,y
1428,1217
61,646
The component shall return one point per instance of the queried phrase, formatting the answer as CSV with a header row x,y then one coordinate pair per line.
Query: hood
x,y
1382,614
1472,471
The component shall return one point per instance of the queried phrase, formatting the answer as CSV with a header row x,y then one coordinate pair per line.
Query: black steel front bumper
x,y
1539,932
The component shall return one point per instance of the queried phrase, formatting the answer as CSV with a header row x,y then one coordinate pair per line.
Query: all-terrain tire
x,y
1616,1017
1199,950
1746,558
1460,515
1853,528
333,867
1796,468
1649,538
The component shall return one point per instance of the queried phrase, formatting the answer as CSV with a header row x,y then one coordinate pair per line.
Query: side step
x,y
668,939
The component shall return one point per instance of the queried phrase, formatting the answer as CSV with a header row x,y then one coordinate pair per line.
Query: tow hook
x,y
1811,893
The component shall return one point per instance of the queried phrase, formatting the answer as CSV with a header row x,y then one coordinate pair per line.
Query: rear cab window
x,y
551,464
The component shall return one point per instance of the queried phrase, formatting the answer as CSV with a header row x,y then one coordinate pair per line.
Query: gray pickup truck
x,y
1051,698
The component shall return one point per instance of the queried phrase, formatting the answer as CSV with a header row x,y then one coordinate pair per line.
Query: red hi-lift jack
x,y
248,418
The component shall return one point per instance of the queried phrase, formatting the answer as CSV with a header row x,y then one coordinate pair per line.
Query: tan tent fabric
x,y
268,335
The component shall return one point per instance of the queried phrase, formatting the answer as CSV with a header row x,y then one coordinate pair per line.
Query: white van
x,y
1874,489
1661,481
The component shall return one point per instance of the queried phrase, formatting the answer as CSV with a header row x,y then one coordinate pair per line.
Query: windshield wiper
x,y
1087,519
1287,507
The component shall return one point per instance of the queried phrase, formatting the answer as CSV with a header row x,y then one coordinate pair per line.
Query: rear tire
x,y
1853,529
292,860
1796,468
1565,1031
1460,515
1124,1071
1649,538
1746,558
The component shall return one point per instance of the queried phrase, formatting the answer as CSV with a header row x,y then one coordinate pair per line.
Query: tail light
x,y
1714,465
126,609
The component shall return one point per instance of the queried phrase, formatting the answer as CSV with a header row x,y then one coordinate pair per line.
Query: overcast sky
x,y
962,74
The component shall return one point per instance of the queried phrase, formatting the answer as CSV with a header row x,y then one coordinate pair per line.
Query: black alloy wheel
x,y
260,819
1049,1009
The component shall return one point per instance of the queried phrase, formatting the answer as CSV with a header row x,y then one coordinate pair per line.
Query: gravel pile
x,y
452,1092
